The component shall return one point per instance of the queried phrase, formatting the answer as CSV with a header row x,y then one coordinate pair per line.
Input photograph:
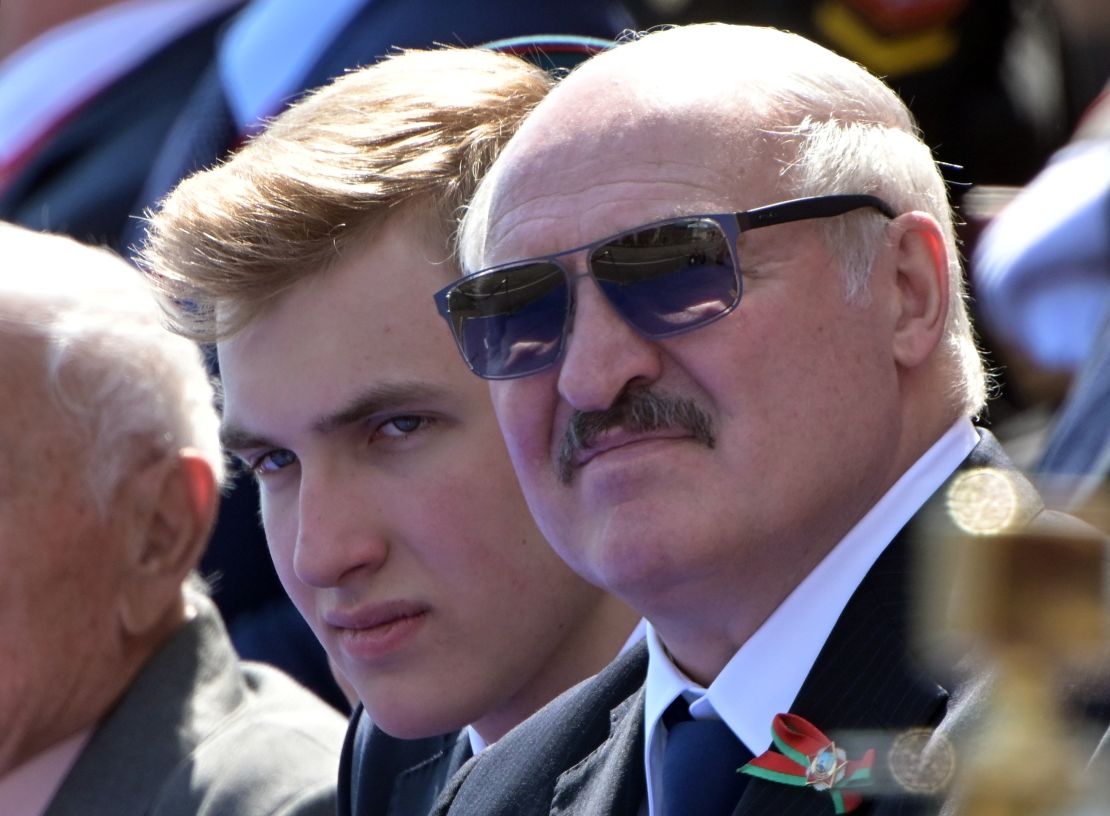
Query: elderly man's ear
x,y
167,510
919,265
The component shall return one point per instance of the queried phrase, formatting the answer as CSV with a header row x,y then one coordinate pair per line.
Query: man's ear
x,y
172,507
921,282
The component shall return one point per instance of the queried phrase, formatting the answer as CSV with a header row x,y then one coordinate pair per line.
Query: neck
x,y
585,651
704,621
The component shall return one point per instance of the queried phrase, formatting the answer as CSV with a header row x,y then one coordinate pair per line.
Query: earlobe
x,y
173,505
921,281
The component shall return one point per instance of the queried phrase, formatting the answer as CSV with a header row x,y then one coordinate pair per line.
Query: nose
x,y
604,355
340,530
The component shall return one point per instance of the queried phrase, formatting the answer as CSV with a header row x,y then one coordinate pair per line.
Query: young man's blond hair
x,y
417,130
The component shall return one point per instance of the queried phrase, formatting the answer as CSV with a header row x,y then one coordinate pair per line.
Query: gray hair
x,y
127,385
846,131
834,128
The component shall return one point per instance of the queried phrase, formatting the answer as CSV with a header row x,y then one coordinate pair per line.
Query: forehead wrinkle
x,y
549,232
696,147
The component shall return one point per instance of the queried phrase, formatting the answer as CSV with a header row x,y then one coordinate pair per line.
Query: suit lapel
x,y
415,789
864,680
611,779
867,684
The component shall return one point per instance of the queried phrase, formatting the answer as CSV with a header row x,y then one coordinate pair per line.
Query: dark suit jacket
x,y
380,775
85,179
583,754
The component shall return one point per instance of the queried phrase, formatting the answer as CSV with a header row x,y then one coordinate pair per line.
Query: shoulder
x,y
990,487
261,743
276,753
200,732
519,774
580,717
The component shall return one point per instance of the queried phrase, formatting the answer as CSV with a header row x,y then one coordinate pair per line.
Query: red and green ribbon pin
x,y
810,759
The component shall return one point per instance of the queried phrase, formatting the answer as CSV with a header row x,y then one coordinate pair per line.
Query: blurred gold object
x,y
1030,601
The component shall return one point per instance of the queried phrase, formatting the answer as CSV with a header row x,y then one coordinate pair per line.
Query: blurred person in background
x,y
88,91
121,694
1041,270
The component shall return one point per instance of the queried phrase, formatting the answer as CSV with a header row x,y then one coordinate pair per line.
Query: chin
x,y
413,722
412,709
628,564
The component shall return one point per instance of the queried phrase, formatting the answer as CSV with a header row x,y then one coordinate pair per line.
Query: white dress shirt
x,y
28,789
765,675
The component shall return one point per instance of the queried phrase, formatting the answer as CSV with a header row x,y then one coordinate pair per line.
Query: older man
x,y
390,506
714,282
120,692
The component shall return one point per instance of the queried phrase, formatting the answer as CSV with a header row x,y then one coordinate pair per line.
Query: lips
x,y
375,616
374,635
618,438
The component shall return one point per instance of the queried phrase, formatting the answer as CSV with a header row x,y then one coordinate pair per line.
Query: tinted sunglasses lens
x,y
671,277
509,322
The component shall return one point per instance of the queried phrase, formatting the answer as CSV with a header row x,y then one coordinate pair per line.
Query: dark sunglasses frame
x,y
731,225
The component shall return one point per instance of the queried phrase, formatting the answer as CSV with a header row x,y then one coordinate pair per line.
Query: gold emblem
x,y
983,501
826,767
921,761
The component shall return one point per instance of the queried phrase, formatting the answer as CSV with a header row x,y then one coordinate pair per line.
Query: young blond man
x,y
389,503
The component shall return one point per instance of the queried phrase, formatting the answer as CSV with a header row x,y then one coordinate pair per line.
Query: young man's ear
x,y
921,282
172,505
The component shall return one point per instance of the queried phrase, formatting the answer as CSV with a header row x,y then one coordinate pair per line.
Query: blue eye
x,y
399,427
272,461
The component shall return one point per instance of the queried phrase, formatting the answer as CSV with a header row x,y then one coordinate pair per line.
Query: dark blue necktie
x,y
700,760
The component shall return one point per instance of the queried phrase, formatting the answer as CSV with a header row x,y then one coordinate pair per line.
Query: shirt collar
x,y
765,675
29,788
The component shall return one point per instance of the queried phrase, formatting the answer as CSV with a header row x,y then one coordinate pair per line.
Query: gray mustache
x,y
636,410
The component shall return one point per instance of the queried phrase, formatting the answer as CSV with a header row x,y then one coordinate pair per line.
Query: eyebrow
x,y
377,399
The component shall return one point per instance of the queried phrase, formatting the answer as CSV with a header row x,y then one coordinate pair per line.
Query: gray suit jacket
x,y
582,755
199,733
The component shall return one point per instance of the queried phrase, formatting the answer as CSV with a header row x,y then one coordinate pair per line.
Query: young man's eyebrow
x,y
378,399
233,438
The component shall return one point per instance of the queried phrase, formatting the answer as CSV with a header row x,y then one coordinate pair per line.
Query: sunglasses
x,y
663,279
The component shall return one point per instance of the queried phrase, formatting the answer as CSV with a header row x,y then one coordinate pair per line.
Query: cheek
x,y
279,525
525,411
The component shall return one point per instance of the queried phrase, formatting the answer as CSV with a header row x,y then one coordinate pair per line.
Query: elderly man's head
x,y
109,460
682,430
